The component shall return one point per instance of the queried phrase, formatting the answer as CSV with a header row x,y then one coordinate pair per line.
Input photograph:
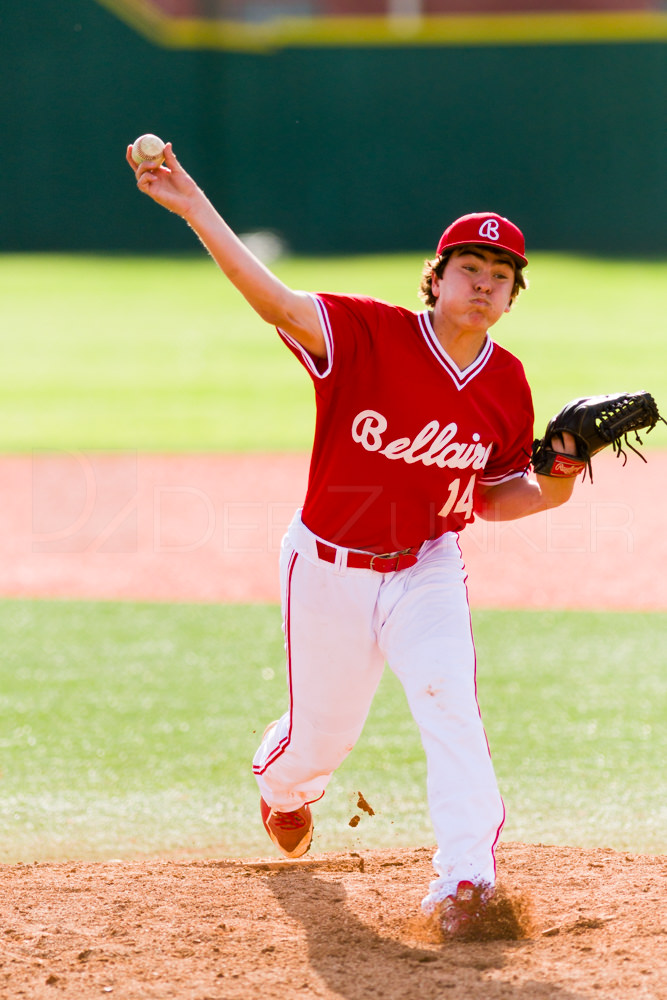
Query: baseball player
x,y
423,422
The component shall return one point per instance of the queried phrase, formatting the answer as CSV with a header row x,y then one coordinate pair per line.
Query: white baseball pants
x,y
341,625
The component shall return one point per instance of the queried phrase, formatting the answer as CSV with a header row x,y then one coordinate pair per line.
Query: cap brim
x,y
521,261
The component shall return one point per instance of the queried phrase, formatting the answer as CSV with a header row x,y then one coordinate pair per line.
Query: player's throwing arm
x,y
161,177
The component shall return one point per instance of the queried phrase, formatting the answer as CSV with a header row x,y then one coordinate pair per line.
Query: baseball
x,y
148,148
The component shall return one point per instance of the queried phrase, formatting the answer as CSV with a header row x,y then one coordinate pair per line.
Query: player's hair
x,y
437,266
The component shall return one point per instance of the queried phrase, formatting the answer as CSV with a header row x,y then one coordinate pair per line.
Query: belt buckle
x,y
394,557
385,558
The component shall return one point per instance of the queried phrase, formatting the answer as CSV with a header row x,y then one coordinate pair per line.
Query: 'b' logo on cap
x,y
489,230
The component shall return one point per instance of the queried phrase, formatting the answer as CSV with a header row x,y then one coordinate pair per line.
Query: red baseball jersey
x,y
403,437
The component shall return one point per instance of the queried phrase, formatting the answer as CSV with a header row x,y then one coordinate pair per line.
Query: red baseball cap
x,y
486,228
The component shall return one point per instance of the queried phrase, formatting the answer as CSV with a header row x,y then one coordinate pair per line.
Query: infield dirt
x,y
336,927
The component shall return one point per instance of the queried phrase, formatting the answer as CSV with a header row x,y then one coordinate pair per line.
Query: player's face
x,y
475,288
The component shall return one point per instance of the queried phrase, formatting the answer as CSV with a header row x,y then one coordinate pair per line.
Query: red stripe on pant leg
x,y
284,743
495,843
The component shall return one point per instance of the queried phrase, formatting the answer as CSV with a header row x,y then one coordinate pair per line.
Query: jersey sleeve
x,y
349,324
511,455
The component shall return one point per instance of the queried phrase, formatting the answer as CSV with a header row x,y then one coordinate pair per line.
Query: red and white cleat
x,y
291,832
458,913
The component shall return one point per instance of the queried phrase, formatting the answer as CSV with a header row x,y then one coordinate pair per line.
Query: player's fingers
x,y
146,168
147,177
128,157
170,159
564,444
146,182
569,444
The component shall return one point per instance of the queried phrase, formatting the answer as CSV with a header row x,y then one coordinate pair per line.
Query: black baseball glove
x,y
595,422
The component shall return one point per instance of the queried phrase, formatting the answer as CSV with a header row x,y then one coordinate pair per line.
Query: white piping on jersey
x,y
328,340
458,377
497,480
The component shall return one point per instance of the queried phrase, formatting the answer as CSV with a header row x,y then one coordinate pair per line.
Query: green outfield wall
x,y
338,147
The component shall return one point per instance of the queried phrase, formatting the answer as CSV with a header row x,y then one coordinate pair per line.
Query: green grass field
x,y
163,355
128,729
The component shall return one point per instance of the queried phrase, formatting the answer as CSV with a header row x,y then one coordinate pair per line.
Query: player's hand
x,y
564,444
169,185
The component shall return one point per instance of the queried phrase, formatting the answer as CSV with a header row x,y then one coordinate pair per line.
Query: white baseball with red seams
x,y
396,465
148,148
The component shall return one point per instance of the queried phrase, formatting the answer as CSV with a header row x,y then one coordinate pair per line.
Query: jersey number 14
x,y
457,502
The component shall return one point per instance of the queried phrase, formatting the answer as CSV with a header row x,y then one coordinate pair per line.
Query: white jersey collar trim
x,y
459,378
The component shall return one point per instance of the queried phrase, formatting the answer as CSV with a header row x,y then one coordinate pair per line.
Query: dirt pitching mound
x,y
330,926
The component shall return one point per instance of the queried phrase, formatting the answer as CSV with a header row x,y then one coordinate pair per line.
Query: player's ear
x,y
435,284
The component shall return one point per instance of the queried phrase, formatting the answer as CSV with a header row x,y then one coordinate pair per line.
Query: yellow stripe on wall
x,y
496,29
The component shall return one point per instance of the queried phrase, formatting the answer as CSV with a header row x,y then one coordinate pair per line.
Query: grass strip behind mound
x,y
164,355
128,729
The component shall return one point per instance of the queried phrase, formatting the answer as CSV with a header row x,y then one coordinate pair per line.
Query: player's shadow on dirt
x,y
356,962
